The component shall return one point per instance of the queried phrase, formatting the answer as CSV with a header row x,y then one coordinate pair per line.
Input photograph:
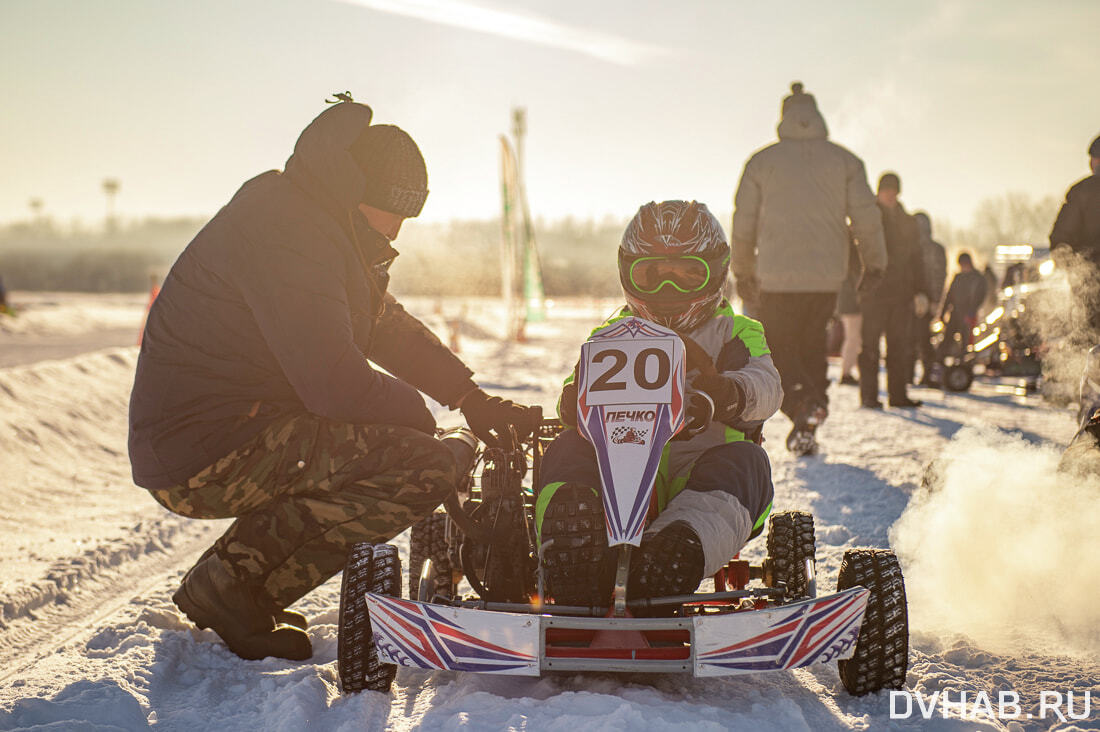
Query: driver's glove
x,y
490,418
729,400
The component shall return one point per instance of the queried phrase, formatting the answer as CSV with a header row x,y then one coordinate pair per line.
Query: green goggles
x,y
685,273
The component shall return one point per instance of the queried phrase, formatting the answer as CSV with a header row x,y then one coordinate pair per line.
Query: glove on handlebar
x,y
729,399
490,418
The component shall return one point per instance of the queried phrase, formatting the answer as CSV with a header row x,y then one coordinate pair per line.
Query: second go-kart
x,y
758,618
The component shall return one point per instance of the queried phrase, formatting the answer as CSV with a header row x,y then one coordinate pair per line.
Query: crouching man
x,y
254,398
714,489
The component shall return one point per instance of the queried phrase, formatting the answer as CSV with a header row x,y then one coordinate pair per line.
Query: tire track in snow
x,y
35,635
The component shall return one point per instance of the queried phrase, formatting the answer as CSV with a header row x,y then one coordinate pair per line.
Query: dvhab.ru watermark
x,y
1004,705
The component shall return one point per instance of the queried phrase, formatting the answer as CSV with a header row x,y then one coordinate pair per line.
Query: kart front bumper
x,y
427,636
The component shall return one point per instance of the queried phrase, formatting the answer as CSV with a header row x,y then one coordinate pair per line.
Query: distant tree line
x,y
453,258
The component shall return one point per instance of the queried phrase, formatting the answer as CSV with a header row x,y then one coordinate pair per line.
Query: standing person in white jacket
x,y
790,251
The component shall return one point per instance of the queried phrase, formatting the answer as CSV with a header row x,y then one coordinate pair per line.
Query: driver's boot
x,y
213,598
668,562
579,568
287,617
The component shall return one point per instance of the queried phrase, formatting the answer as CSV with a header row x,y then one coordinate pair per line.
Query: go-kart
x,y
758,618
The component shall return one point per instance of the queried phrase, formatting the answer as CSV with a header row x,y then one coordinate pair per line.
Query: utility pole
x,y
519,129
36,205
110,189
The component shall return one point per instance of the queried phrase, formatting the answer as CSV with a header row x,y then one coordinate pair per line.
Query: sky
x,y
627,101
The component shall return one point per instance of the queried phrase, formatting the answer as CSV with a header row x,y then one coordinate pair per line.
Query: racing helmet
x,y
673,263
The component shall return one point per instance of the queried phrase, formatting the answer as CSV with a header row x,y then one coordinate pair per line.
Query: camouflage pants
x,y
306,490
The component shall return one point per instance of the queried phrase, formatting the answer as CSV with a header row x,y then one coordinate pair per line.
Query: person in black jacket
x,y
960,306
888,306
1078,228
935,277
254,397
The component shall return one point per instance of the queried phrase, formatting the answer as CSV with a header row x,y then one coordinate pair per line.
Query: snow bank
x,y
58,314
135,661
70,507
1003,548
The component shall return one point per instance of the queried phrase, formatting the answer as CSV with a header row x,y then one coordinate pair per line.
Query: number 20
x,y
604,382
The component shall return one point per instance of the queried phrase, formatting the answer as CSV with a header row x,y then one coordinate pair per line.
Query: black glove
x,y
698,414
490,418
726,393
395,402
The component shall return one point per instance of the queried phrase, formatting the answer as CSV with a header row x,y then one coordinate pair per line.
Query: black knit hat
x,y
397,179
1094,148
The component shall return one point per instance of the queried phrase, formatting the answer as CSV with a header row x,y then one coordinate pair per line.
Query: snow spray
x,y
1060,312
1003,548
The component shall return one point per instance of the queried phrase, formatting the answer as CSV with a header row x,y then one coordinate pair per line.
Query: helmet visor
x,y
651,274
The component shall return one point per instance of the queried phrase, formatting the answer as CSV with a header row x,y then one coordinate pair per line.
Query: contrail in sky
x,y
519,26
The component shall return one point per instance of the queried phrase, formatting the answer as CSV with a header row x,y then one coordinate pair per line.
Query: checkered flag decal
x,y
628,435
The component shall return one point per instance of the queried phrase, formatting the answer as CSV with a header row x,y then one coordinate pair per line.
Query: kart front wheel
x,y
790,544
370,568
881,657
428,543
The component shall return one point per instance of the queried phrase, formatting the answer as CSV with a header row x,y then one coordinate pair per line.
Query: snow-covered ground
x,y
1001,563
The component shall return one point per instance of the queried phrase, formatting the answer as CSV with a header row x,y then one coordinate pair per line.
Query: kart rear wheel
x,y
882,648
370,568
958,378
428,541
790,544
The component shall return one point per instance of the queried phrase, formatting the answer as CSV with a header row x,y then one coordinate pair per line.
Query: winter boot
x,y
287,617
579,568
213,598
669,562
802,439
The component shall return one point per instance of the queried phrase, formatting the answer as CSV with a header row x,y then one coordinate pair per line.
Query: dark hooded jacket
x,y
935,260
966,294
272,310
1078,222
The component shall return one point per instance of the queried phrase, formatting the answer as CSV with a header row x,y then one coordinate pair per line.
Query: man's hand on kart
x,y
493,420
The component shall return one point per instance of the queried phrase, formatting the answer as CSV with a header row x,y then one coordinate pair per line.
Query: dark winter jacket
x,y
935,260
272,310
1078,223
905,272
965,295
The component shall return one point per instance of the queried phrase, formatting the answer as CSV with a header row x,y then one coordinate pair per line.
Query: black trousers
x,y
922,350
895,320
795,326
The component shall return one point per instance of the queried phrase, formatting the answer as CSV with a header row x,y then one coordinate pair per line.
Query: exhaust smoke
x,y
1004,548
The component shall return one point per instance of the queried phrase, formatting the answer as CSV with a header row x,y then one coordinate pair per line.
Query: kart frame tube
x,y
600,612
